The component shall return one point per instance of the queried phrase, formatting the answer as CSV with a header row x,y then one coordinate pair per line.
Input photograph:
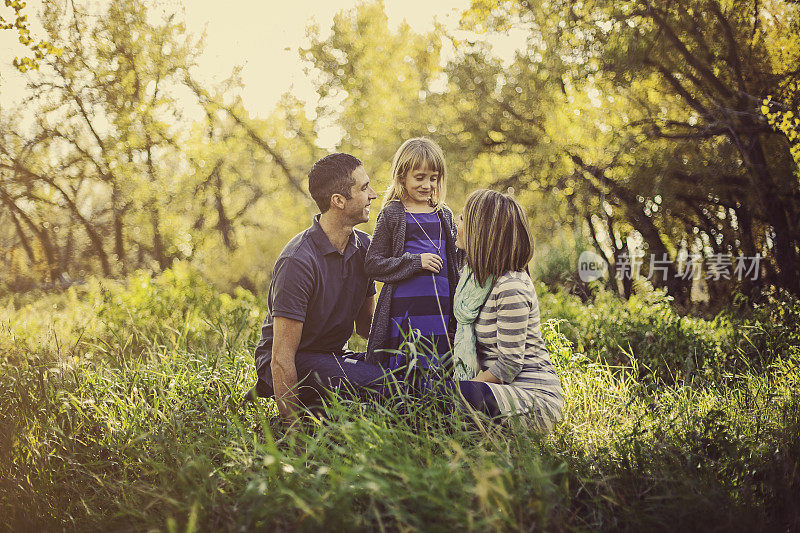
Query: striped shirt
x,y
510,346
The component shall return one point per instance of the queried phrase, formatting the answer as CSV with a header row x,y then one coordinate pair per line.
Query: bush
x,y
667,347
555,262
147,433
175,310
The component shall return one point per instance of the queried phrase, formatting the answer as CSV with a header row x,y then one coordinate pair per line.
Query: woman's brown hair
x,y
496,235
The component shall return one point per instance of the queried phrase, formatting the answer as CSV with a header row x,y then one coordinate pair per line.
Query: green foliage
x,y
555,263
115,175
20,23
782,109
648,333
612,118
772,330
617,108
646,329
174,311
374,83
99,431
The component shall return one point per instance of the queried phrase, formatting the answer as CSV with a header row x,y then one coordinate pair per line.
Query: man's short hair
x,y
332,175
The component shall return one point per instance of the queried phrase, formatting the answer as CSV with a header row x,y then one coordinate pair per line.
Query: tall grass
x,y
131,421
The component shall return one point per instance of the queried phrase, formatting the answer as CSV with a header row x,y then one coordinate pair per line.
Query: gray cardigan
x,y
387,262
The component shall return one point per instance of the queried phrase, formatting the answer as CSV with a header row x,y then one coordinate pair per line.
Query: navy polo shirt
x,y
318,285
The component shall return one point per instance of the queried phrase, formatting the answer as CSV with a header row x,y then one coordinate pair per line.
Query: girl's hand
x,y
431,262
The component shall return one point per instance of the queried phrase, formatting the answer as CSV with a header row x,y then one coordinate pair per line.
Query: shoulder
x,y
446,216
295,265
299,253
446,212
393,208
299,246
392,214
513,285
362,237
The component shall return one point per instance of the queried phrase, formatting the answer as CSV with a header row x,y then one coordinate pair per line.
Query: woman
x,y
499,344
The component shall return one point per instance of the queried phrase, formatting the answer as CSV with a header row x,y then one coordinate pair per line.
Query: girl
x,y
413,253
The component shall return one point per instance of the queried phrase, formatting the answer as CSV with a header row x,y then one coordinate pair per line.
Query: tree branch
x,y
207,100
680,46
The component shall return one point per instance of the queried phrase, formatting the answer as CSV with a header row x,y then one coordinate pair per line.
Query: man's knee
x,y
308,392
343,373
318,373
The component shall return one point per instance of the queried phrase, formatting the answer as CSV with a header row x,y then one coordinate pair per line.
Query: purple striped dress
x,y
423,301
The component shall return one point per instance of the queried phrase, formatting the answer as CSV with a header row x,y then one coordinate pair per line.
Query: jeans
x,y
321,372
318,373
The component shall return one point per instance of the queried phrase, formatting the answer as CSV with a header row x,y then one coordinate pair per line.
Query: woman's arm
x,y
379,263
487,376
513,308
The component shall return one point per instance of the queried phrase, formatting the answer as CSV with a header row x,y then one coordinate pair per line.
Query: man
x,y
318,292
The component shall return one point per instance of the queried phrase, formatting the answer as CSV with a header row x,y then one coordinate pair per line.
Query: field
x,y
119,409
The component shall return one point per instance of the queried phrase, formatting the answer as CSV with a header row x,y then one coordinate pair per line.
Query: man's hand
x,y
285,340
431,262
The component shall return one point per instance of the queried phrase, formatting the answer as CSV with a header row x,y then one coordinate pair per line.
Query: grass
x,y
118,409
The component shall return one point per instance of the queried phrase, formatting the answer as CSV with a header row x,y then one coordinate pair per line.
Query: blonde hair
x,y
496,235
416,153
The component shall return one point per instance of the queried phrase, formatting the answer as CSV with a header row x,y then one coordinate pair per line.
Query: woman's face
x,y
460,232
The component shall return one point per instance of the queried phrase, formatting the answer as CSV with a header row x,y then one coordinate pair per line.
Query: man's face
x,y
361,194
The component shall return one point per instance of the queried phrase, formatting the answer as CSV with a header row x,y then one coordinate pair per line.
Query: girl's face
x,y
460,232
419,184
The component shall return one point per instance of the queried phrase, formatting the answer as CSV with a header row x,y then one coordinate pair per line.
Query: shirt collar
x,y
323,243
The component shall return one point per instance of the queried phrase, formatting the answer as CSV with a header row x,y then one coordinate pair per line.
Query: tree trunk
x,y
155,215
23,239
119,236
158,242
777,213
744,218
625,270
91,232
644,225
68,251
40,232
224,225
612,283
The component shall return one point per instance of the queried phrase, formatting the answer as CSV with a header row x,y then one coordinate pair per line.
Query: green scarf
x,y
467,303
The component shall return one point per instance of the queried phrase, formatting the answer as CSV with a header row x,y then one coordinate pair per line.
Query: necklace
x,y
433,277
439,247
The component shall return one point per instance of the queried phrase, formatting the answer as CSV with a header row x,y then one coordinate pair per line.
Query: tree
x,y
38,47
685,155
379,79
247,184
115,175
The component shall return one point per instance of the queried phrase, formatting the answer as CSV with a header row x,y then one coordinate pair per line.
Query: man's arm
x,y
364,318
286,339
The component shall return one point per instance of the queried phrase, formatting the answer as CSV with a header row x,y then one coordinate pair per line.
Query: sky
x,y
262,36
